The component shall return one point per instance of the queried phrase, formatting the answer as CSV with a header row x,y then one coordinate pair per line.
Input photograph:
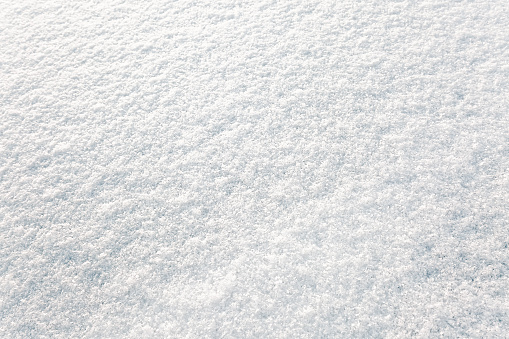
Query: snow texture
x,y
254,169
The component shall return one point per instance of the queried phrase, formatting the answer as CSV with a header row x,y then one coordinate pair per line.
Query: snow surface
x,y
254,169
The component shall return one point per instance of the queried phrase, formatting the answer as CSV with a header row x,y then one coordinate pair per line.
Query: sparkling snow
x,y
254,169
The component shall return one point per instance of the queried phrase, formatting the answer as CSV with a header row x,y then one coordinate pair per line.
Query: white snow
x,y
254,169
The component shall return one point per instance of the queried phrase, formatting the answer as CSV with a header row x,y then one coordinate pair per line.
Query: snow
x,y
254,169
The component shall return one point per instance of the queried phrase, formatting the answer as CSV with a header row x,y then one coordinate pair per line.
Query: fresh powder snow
x,y
254,169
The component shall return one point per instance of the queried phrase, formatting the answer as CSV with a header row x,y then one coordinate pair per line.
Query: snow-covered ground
x,y
254,169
